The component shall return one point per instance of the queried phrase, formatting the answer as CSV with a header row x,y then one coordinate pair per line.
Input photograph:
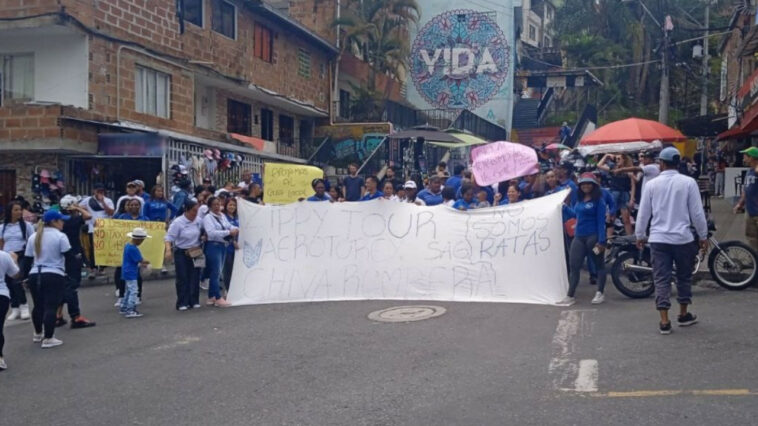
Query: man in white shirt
x,y
99,207
647,167
676,201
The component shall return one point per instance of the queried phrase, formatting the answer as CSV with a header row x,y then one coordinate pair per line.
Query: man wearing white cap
x,y
411,189
675,199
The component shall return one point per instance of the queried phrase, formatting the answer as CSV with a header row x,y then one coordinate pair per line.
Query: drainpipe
x,y
336,90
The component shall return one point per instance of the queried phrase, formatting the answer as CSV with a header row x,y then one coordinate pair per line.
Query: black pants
x,y
228,265
121,284
47,294
16,289
581,248
4,305
187,280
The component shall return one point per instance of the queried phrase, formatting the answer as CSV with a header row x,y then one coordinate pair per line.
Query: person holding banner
x,y
8,269
48,247
100,207
183,244
589,237
320,188
232,215
220,234
432,195
372,190
466,201
132,211
158,208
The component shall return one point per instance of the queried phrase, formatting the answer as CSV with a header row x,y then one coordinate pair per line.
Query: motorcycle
x,y
732,264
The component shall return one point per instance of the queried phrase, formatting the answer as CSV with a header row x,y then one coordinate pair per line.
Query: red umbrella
x,y
632,130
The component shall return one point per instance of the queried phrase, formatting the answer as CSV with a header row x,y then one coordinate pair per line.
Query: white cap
x,y
410,184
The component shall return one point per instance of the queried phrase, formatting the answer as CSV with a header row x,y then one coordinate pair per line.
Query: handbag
x,y
194,252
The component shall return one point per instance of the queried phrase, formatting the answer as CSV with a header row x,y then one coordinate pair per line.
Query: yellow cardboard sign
x,y
110,237
287,183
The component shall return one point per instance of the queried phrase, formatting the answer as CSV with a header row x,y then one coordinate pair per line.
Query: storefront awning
x,y
733,133
256,143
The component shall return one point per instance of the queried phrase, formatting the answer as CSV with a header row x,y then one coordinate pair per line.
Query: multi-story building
x,y
85,83
536,23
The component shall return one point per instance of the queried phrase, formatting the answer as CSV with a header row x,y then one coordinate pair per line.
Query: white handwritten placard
x,y
501,161
388,250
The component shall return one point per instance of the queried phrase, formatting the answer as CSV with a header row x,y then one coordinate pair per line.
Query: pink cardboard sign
x,y
502,161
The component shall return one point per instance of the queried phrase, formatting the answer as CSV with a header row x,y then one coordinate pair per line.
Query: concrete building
x,y
84,83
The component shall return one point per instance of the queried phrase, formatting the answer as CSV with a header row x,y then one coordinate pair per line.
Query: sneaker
x,y
688,319
222,303
60,322
210,302
51,343
196,306
132,314
91,276
82,322
24,309
118,302
183,308
3,365
204,284
665,328
36,338
164,271
15,314
598,299
568,301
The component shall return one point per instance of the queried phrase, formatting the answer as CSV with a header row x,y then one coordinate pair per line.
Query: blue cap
x,y
52,215
669,155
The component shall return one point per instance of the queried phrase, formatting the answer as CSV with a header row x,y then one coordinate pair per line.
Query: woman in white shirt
x,y
47,277
220,234
13,235
183,245
8,268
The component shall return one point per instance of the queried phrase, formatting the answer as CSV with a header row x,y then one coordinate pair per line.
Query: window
x,y
263,46
224,18
152,93
193,11
344,104
238,118
532,32
17,78
286,129
267,125
304,63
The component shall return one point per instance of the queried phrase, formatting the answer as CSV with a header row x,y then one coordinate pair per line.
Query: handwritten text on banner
x,y
287,183
387,250
110,237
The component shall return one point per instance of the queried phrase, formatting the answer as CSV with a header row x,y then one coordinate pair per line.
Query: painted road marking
x,y
660,393
565,367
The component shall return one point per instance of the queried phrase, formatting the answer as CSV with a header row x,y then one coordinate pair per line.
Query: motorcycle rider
x,y
671,241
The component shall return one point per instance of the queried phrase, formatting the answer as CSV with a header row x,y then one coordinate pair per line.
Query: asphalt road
x,y
327,364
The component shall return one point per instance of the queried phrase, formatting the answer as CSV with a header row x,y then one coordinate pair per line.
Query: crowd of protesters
x,y
203,225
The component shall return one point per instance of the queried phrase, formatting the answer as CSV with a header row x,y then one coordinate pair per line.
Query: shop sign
x,y
131,144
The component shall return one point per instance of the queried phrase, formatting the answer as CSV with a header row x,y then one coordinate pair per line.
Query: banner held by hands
x,y
502,161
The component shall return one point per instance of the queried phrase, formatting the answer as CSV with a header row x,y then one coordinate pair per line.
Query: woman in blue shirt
x,y
320,188
512,196
157,208
589,237
132,211
467,197
230,210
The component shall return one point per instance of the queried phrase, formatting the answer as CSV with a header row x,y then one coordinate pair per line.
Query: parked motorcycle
x,y
732,264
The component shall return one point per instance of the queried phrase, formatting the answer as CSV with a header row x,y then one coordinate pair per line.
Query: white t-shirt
x,y
51,259
649,172
7,267
101,214
12,236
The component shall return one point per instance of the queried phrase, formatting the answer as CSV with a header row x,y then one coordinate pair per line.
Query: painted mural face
x,y
459,60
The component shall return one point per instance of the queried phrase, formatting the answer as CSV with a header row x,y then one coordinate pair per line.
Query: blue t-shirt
x,y
463,205
130,262
574,190
454,182
429,198
375,195
235,221
610,203
353,185
158,210
488,189
315,197
127,216
590,219
751,193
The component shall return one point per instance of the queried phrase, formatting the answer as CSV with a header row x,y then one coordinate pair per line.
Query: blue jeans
x,y
129,302
214,262
621,199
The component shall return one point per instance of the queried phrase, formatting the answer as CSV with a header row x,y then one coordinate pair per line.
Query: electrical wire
x,y
606,67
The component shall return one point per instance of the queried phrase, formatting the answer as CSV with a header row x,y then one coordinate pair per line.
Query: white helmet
x,y
69,200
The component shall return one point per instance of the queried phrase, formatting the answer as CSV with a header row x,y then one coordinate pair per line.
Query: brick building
x,y
86,82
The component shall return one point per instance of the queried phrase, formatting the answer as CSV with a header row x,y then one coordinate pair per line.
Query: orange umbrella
x,y
632,130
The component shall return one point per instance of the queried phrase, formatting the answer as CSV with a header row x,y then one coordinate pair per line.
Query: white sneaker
x,y
139,301
24,312
3,365
51,343
196,306
15,314
598,299
568,301
36,338
204,284
118,302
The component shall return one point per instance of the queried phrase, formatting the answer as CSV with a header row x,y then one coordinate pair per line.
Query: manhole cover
x,y
406,313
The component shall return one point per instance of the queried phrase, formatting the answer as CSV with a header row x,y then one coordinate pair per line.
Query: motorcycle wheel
x,y
634,284
739,276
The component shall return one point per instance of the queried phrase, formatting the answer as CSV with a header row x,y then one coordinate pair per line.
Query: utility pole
x,y
663,102
706,67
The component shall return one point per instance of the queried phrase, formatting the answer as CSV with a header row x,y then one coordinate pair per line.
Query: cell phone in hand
x,y
596,250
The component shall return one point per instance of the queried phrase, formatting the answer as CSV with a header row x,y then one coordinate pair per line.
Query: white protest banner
x,y
383,249
502,161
